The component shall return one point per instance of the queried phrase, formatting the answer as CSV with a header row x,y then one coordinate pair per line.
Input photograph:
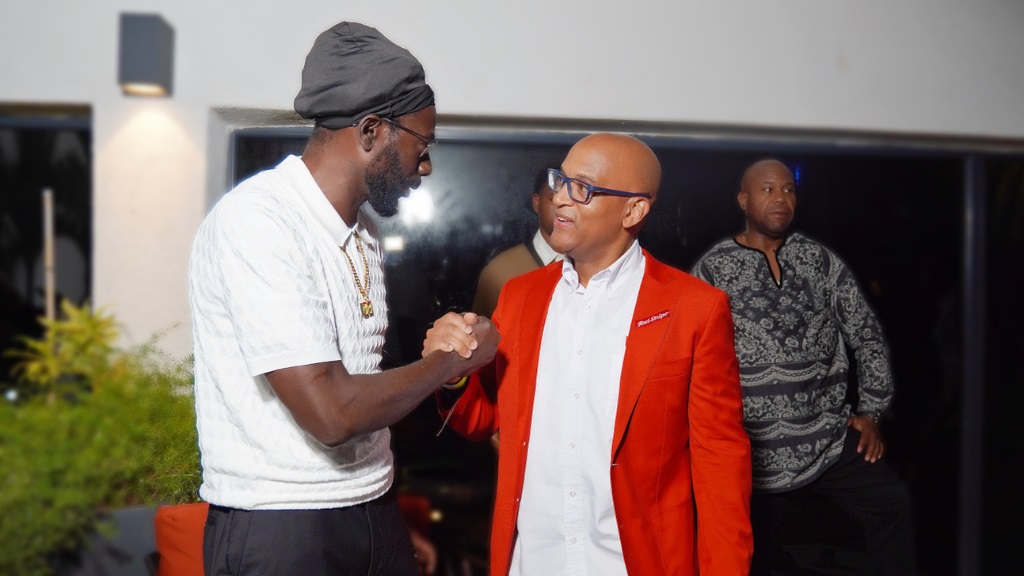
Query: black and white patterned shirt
x,y
791,341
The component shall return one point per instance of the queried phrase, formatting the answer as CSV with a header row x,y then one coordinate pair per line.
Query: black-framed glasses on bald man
x,y
581,191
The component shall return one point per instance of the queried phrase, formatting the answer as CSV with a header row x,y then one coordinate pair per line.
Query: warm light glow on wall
x,y
140,89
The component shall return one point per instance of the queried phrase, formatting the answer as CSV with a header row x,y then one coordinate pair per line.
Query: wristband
x,y
873,416
456,386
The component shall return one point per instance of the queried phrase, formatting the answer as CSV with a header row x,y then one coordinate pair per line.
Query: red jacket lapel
x,y
651,317
534,305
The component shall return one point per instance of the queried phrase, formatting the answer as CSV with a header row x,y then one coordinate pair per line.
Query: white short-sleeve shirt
x,y
269,289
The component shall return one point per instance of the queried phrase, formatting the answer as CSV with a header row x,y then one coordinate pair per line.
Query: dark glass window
x,y
37,154
1003,343
895,214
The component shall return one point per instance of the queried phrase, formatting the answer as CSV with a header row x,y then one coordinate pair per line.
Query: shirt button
x,y
572,444
572,493
573,540
576,396
579,352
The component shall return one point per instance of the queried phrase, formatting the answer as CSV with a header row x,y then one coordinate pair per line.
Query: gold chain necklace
x,y
364,305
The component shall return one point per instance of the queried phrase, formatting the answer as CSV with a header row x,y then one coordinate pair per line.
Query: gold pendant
x,y
367,307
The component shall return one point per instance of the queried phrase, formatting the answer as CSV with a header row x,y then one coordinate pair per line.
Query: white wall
x,y
941,67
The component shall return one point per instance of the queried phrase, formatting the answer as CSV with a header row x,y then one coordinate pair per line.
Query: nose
x,y
561,196
425,167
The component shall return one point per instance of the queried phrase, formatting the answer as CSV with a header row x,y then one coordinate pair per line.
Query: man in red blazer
x,y
616,393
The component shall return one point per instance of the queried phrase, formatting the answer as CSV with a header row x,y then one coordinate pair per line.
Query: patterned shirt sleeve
x,y
862,332
702,271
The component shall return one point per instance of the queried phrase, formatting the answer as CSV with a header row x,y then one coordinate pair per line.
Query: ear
x,y
369,130
535,202
741,199
637,210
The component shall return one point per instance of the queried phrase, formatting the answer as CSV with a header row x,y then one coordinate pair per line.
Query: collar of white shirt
x,y
321,209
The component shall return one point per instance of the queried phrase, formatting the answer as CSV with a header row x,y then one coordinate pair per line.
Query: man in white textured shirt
x,y
616,393
289,316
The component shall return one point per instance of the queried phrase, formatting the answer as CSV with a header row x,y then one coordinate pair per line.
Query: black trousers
x,y
367,539
872,494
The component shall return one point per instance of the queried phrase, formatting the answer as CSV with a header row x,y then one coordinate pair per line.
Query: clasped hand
x,y
469,335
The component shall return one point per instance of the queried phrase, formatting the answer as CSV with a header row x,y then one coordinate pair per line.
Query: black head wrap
x,y
354,70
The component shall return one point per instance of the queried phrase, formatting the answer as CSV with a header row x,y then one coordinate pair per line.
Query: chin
x,y
386,206
557,246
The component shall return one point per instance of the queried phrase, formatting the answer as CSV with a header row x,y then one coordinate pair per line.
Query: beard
x,y
386,181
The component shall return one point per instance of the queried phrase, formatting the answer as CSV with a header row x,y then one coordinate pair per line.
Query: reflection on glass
x,y
394,243
895,217
417,208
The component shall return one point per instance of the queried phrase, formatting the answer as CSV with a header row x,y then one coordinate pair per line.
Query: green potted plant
x,y
92,429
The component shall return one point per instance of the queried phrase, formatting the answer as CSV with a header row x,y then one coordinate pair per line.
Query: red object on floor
x,y
179,538
416,512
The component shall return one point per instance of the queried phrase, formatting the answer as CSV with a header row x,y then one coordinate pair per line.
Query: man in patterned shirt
x,y
796,309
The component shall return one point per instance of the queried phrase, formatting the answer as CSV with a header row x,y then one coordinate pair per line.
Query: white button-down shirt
x,y
566,517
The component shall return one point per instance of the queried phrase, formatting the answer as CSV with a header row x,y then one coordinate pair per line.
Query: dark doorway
x,y
42,149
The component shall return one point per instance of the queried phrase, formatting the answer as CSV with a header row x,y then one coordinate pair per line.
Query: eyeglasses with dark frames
x,y
581,191
429,143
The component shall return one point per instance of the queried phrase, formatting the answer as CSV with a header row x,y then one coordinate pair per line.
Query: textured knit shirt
x,y
791,340
269,289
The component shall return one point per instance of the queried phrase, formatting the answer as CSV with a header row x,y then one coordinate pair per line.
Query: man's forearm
x,y
374,401
333,406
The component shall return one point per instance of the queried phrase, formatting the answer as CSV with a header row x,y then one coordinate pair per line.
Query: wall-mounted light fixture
x,y
146,55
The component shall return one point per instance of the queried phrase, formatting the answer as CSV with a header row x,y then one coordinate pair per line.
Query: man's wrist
x,y
449,394
457,385
874,416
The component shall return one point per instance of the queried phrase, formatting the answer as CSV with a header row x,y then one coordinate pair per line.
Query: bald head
x,y
754,173
767,197
617,161
593,233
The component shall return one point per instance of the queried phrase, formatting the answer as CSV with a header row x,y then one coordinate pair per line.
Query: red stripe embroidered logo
x,y
654,318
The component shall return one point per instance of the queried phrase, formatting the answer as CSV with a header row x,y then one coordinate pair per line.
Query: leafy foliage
x,y
72,348
104,429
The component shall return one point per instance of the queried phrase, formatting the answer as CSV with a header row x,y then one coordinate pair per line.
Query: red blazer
x,y
679,449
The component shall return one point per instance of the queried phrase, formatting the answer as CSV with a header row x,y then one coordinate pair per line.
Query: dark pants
x,y
872,494
367,539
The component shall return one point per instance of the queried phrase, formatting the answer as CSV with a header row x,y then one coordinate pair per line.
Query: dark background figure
x,y
531,254
797,311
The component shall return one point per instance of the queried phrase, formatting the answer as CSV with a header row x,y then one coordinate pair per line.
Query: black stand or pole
x,y
973,407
